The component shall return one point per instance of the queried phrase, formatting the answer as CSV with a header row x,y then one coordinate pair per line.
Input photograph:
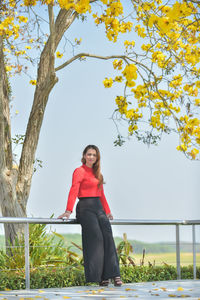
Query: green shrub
x,y
45,250
74,276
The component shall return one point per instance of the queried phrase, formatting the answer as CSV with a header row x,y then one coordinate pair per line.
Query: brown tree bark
x,y
8,176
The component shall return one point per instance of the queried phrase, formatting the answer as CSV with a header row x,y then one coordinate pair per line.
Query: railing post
x,y
27,268
194,252
178,267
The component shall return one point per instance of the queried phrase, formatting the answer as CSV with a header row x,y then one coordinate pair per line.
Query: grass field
x,y
168,258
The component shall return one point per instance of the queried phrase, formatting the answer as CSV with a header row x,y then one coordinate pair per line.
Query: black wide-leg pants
x,y
99,252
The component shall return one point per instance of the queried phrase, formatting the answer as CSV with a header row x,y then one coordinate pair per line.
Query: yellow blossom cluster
x,y
140,31
130,73
111,19
190,133
132,128
129,44
81,6
146,47
176,81
30,2
117,64
122,104
156,122
159,58
8,28
133,114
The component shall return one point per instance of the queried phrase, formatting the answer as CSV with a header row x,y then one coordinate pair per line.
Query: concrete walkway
x,y
143,290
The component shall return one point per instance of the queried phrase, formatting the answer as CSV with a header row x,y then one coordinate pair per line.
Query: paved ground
x,y
144,290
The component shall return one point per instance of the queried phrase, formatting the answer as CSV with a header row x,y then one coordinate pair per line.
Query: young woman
x,y
93,213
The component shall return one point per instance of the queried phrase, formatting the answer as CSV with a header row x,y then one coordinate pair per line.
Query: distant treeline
x,y
138,246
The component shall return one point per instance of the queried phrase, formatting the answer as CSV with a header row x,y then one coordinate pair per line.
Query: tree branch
x,y
51,39
52,29
124,57
63,21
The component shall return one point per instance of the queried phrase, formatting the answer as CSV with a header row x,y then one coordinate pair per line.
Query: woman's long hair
x,y
96,166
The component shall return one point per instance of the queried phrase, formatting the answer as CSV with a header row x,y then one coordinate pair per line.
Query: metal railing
x,y
176,223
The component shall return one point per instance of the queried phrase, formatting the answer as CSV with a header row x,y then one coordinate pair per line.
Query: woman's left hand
x,y
110,216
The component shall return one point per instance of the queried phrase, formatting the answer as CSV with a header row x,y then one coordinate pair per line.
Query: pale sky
x,y
141,183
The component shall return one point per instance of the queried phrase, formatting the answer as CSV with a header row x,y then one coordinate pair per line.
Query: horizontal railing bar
x,y
113,222
193,222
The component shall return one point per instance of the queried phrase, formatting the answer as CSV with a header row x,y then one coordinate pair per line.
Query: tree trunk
x,y
15,182
8,175
11,207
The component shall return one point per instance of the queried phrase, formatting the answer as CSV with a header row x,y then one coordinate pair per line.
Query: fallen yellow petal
x,y
180,288
40,291
65,297
171,295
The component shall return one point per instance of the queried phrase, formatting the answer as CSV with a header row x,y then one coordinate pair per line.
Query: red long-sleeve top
x,y
85,184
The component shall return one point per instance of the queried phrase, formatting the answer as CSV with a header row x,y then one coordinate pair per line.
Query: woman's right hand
x,y
65,215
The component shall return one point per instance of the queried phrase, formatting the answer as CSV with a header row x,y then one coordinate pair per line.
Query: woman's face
x,y
90,157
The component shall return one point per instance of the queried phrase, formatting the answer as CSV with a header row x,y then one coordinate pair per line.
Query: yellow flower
x,y
197,84
129,44
132,128
140,31
59,55
30,2
108,82
8,68
117,64
130,72
119,78
146,47
197,102
182,147
22,19
152,20
33,82
78,42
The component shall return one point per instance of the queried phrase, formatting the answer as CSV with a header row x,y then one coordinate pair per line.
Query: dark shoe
x,y
104,283
117,281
